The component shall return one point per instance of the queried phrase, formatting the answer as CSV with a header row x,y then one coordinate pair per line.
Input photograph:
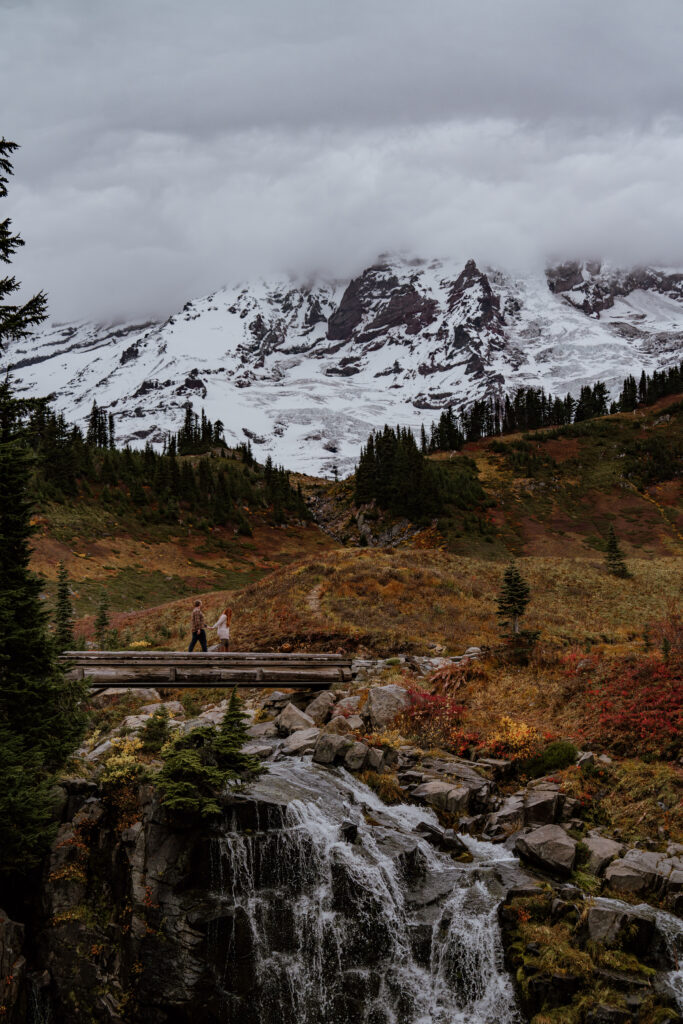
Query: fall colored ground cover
x,y
402,600
557,491
148,571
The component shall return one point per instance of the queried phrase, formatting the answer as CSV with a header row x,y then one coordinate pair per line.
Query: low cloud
x,y
171,148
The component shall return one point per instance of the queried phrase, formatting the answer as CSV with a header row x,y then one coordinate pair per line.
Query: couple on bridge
x,y
199,628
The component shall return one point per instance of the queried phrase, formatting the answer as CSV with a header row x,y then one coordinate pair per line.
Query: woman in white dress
x,y
223,627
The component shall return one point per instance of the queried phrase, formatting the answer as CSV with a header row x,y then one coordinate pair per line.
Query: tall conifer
x,y
64,613
102,622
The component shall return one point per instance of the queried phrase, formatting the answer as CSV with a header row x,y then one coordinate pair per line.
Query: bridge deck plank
x,y
123,669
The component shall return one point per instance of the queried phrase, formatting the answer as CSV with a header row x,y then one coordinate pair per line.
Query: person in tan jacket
x,y
223,627
198,627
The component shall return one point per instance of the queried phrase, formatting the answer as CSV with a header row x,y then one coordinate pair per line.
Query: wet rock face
x,y
301,905
13,996
596,963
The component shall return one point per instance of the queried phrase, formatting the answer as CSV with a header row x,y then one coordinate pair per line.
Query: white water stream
x,y
382,931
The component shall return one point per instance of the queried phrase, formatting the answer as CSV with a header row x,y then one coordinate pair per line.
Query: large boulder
x,y
549,848
320,707
111,695
443,839
356,723
300,741
509,817
601,853
134,722
262,730
638,871
625,928
464,776
541,807
258,748
291,719
375,760
625,878
330,748
383,704
444,796
346,706
338,726
356,756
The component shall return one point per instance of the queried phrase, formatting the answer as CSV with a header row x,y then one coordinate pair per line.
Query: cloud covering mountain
x,y
169,148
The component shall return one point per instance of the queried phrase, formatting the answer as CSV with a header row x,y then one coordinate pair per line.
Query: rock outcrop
x,y
549,848
383,704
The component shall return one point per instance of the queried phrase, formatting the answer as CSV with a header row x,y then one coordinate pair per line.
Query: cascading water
x,y
314,928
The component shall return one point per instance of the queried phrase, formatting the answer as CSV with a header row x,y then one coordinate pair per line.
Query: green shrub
x,y
198,765
557,755
155,732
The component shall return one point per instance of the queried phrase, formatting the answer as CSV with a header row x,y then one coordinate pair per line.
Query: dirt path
x,y
313,599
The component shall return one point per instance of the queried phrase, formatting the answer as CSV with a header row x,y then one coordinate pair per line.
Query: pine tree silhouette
x,y
513,598
102,622
64,613
614,558
41,721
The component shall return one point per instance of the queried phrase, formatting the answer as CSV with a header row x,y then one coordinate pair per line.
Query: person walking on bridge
x,y
223,627
198,627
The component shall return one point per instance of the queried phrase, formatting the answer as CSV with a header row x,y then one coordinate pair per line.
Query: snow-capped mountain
x,y
306,370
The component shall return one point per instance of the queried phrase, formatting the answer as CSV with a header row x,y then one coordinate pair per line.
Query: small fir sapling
x,y
190,780
230,739
156,731
513,598
614,558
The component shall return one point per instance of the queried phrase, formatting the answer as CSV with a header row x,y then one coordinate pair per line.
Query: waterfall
x,y
383,930
39,1009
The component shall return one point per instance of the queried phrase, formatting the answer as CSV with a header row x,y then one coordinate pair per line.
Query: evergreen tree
x,y
513,598
16,321
64,613
201,763
102,622
614,558
231,737
40,717
190,780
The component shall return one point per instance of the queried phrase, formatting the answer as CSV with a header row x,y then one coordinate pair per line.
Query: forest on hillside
x,y
213,489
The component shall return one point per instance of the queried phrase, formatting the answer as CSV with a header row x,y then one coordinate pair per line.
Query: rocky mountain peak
x,y
307,369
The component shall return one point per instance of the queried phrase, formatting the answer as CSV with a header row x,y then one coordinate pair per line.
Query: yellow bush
x,y
123,766
514,740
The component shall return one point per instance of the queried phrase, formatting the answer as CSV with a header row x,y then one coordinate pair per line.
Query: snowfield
x,y
307,371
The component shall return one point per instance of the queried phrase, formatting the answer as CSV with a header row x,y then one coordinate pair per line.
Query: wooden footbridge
x,y
125,669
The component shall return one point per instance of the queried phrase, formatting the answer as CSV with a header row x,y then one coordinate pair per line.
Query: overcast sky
x,y
172,146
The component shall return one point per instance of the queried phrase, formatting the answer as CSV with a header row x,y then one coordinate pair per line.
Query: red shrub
x,y
435,720
636,708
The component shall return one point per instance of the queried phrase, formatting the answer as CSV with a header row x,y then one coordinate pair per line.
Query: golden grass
x,y
632,798
388,601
